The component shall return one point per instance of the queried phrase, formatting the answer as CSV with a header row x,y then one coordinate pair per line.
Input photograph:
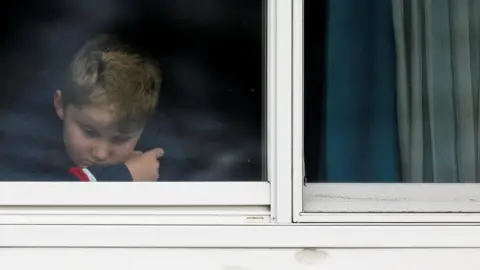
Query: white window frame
x,y
226,215
368,203
180,202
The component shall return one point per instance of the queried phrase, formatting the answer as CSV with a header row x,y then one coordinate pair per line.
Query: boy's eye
x,y
90,133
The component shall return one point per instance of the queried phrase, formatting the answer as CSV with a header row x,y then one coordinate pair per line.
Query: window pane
x,y
391,91
209,119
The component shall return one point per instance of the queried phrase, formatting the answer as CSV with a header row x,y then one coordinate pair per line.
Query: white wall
x,y
237,259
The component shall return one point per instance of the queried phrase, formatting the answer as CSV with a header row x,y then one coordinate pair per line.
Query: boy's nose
x,y
100,154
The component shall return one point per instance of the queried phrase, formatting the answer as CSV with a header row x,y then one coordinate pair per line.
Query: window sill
x,y
240,236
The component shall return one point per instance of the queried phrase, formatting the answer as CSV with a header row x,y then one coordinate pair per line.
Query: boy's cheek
x,y
128,151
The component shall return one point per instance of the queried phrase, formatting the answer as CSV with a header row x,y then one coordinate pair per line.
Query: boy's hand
x,y
144,166
135,153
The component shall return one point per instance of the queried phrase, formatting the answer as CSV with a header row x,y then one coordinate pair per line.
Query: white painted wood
x,y
279,106
344,198
298,102
201,215
244,236
240,259
390,218
103,193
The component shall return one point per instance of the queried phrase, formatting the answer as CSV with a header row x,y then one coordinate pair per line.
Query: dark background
x,y
315,18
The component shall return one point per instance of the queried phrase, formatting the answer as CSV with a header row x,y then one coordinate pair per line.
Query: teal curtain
x,y
361,136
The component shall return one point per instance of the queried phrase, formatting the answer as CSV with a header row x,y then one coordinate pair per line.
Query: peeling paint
x,y
310,256
342,197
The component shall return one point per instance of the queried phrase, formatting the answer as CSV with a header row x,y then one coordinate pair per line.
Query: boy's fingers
x,y
157,152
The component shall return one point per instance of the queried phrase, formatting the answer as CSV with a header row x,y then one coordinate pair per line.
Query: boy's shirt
x,y
32,148
108,173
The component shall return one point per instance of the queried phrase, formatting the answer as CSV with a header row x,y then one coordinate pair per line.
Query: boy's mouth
x,y
86,164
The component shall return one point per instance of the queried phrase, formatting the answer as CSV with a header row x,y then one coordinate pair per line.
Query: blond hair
x,y
106,72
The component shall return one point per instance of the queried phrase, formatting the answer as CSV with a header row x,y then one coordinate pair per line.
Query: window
x,y
316,173
390,110
213,120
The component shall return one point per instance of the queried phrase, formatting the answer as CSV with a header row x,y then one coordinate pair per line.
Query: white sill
x,y
134,194
245,236
131,215
391,198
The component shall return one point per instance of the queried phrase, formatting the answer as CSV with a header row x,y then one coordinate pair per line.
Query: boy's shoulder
x,y
31,142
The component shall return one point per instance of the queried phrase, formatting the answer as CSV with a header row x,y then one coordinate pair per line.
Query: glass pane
x,y
391,91
77,106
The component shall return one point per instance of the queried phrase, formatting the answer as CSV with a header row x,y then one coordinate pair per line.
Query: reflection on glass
x,y
142,91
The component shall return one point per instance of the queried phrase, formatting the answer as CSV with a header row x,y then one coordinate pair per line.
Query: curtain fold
x,y
437,51
361,130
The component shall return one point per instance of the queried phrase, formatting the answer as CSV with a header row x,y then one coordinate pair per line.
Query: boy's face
x,y
92,136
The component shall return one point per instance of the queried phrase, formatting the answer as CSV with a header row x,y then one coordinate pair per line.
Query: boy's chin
x,y
89,164
84,164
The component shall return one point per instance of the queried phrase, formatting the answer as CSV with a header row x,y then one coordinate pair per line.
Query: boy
x,y
108,94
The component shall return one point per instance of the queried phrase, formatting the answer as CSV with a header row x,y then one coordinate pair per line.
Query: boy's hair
x,y
106,72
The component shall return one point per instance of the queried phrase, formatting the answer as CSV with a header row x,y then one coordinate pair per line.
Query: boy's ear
x,y
57,102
